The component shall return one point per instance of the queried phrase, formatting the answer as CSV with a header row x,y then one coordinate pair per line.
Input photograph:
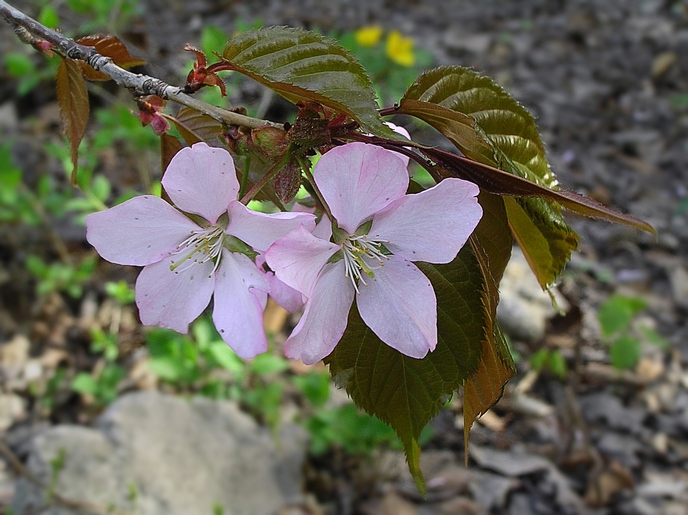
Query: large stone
x,y
154,454
524,308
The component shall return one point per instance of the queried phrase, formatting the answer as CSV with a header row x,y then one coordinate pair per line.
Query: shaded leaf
x,y
491,243
304,66
72,98
195,126
405,392
546,240
109,46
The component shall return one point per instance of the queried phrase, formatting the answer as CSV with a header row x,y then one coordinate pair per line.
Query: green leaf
x,y
616,313
84,383
625,352
266,364
405,392
304,66
227,358
653,337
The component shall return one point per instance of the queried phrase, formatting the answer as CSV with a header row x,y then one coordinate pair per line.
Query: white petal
x,y
239,303
173,299
430,226
400,306
357,181
140,231
202,180
298,258
324,321
260,230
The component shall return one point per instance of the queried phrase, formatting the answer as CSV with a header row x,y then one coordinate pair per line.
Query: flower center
x,y
202,246
361,257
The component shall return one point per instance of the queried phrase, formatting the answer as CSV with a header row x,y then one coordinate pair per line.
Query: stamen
x,y
358,253
203,246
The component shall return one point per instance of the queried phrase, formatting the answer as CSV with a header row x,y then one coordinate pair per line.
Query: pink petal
x,y
400,306
239,304
298,258
202,180
173,299
324,321
290,299
357,181
260,230
430,226
140,231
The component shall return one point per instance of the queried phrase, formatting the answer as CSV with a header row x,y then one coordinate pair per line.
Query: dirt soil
x,y
608,84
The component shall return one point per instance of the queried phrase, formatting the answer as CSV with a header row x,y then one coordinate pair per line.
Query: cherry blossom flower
x,y
378,231
202,248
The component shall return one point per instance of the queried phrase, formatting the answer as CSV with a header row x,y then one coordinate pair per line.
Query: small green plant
x,y
353,431
60,277
550,359
102,386
623,337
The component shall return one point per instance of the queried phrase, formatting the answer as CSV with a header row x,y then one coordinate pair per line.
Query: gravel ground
x,y
608,83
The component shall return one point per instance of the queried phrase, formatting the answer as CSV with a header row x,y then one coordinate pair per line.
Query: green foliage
x,y
102,386
390,78
552,360
105,13
616,314
356,433
120,291
60,277
21,66
616,317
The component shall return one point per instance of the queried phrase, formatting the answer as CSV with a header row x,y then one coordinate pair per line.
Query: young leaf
x,y
109,46
72,98
195,126
505,123
304,66
405,392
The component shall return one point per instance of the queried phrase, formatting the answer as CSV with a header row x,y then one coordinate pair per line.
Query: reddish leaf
x,y
169,146
503,183
72,98
109,46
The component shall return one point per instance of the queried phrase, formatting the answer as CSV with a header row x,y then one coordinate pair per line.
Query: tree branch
x,y
137,83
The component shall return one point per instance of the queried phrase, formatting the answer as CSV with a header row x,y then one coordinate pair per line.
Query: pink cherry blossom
x,y
379,231
187,259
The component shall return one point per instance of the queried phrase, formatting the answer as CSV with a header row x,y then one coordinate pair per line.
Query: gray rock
x,y
155,454
524,308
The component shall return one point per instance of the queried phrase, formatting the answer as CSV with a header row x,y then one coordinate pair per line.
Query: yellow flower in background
x,y
368,36
400,49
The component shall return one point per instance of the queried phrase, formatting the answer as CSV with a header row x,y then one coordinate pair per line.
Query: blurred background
x,y
101,415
